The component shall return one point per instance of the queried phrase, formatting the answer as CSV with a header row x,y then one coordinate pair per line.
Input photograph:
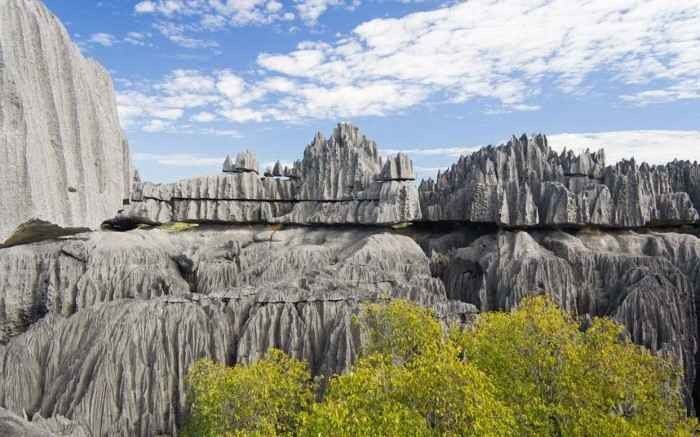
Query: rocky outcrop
x,y
341,180
63,157
106,327
526,184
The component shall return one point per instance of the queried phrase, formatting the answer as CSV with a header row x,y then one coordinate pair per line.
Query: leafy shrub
x,y
531,372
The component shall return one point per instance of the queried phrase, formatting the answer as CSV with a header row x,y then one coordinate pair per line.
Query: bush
x,y
563,381
263,399
531,372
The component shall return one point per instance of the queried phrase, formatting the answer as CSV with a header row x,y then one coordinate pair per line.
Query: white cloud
x,y
176,33
652,146
311,10
510,50
453,152
103,39
145,7
188,81
138,38
204,117
243,115
180,159
214,14
503,53
154,126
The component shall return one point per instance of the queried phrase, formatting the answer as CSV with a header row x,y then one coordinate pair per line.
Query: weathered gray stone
x,y
399,167
64,157
123,315
339,181
245,163
526,184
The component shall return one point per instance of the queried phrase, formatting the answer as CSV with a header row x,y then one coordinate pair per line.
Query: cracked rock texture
x,y
341,180
526,184
63,157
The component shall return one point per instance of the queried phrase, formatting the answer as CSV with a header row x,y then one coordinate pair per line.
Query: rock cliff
x,y
63,157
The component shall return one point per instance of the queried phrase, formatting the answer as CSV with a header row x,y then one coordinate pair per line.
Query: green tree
x,y
530,372
562,381
409,382
262,399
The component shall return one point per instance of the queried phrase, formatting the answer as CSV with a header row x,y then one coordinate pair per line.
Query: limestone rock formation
x,y
245,163
106,327
63,157
526,184
339,181
398,168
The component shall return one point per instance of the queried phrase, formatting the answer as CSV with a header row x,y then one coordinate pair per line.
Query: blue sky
x,y
199,79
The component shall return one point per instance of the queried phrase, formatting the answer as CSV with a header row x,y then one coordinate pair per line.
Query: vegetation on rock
x,y
528,372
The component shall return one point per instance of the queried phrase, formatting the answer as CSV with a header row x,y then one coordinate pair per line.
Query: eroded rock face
x,y
340,181
64,157
106,327
526,184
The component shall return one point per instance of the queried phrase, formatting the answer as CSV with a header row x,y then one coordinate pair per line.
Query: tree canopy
x,y
530,372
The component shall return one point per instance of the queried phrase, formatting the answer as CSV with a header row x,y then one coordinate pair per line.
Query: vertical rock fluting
x,y
63,157
526,184
115,362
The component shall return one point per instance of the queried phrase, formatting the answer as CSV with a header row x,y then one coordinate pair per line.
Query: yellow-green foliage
x,y
263,399
531,372
561,381
410,382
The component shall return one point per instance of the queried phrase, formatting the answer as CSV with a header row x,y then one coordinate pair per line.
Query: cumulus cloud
x,y
509,50
218,13
503,54
103,39
204,117
176,33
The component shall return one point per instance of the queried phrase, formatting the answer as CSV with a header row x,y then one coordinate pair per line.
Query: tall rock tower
x,y
63,155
